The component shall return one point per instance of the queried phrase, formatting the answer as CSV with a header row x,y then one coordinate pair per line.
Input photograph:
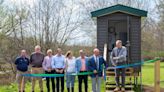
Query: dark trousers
x,y
60,82
48,82
118,73
82,78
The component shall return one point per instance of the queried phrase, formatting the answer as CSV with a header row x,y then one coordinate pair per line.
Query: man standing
x,y
118,57
21,63
95,65
36,60
58,64
82,66
48,70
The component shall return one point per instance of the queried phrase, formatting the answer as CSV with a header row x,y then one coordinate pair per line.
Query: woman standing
x,y
48,70
70,68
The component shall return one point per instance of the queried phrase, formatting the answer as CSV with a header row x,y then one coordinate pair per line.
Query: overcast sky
x,y
151,10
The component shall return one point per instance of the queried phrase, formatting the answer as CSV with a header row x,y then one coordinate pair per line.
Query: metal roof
x,y
119,8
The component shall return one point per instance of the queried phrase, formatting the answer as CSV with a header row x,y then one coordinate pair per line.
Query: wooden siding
x,y
135,38
135,32
102,32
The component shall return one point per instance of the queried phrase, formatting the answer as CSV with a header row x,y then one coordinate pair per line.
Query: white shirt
x,y
96,60
70,64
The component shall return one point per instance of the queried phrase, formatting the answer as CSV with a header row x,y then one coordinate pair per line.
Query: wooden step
x,y
115,86
119,91
111,72
111,85
111,89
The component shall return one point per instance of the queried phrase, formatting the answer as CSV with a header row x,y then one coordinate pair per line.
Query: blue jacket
x,y
22,63
79,65
92,66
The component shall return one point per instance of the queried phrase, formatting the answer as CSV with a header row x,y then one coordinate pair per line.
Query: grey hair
x,y
37,46
118,41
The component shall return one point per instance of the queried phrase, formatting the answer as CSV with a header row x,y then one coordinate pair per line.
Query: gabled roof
x,y
119,8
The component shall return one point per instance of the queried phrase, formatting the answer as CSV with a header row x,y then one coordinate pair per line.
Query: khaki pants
x,y
21,80
37,71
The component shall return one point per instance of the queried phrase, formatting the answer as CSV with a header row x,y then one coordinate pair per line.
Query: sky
x,y
31,3
151,10
20,2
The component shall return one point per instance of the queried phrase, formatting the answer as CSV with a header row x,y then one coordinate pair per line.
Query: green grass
x,y
148,74
147,79
13,87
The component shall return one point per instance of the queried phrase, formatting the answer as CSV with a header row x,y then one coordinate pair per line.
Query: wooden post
x,y
157,76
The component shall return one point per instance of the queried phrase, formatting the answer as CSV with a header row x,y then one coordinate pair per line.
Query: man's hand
x,y
49,70
95,71
115,58
114,65
28,72
57,70
61,71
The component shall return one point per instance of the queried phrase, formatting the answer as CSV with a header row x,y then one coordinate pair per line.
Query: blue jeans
x,y
70,79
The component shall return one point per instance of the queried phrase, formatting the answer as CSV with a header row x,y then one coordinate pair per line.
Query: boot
x,y
116,89
123,89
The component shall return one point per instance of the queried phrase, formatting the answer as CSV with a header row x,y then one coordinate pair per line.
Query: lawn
x,y
147,79
13,87
148,74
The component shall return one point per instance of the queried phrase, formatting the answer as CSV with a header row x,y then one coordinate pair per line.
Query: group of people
x,y
67,64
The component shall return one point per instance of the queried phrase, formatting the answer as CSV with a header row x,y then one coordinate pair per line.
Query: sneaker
x,y
123,89
116,89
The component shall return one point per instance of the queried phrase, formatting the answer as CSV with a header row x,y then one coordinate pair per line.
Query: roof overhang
x,y
119,8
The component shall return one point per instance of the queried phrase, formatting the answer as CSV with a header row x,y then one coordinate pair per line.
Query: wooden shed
x,y
120,22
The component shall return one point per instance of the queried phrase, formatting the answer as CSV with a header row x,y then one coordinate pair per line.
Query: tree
x,y
160,31
54,21
87,6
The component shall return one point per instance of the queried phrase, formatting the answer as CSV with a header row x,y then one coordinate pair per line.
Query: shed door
x,y
123,37
117,30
